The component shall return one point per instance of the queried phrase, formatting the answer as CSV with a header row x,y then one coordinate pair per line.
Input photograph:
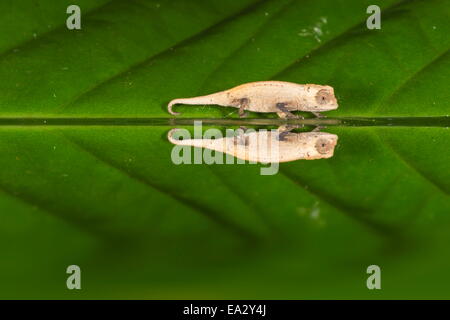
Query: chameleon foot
x,y
285,113
318,128
285,130
318,115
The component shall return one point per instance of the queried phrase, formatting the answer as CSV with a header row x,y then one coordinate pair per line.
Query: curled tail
x,y
171,138
173,102
187,141
215,98
183,142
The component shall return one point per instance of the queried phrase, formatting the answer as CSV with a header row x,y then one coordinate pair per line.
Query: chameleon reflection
x,y
264,146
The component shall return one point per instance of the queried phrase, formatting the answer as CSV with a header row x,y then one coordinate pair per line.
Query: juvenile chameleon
x,y
269,96
266,146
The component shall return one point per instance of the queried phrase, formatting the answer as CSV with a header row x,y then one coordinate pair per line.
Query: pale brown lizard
x,y
269,96
267,146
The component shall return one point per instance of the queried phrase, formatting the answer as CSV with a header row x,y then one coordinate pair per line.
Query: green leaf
x,y
106,196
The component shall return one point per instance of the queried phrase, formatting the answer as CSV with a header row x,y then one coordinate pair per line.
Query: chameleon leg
x,y
244,102
241,138
288,127
318,115
284,130
282,115
287,114
318,128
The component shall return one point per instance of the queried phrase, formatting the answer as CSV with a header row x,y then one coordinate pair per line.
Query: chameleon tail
x,y
171,138
183,142
218,98
199,143
171,103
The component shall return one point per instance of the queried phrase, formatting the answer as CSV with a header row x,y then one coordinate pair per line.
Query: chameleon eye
x,y
323,146
323,96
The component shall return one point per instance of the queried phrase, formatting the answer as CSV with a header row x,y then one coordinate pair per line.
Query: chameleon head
x,y
319,145
320,98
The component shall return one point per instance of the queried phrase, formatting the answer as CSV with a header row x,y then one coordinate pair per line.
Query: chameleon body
x,y
267,147
269,96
